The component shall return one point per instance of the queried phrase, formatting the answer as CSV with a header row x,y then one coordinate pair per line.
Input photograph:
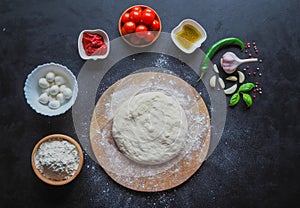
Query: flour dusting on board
x,y
128,171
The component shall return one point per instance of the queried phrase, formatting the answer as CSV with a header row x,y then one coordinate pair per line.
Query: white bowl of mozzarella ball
x,y
51,89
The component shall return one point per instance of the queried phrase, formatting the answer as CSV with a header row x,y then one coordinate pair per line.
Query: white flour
x,y
57,159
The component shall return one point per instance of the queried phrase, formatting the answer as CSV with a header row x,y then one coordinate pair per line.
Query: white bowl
x,y
196,44
93,57
33,91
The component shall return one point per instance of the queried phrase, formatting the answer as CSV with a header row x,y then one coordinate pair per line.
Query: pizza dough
x,y
150,128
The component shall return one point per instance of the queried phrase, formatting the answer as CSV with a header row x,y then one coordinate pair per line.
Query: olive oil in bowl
x,y
188,35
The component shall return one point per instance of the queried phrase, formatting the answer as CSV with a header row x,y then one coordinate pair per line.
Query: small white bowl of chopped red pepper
x,y
93,44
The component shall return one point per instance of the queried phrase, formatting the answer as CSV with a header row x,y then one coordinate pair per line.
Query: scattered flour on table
x,y
162,61
57,159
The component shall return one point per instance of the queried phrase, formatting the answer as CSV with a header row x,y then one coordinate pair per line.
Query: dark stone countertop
x,y
256,163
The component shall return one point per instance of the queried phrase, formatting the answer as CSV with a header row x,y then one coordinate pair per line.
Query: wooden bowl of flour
x,y
55,170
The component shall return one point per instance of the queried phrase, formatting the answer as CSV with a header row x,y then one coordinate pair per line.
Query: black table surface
x,y
256,163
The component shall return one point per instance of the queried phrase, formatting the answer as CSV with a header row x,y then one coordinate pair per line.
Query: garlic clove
x,y
230,90
241,77
221,82
216,69
212,81
232,78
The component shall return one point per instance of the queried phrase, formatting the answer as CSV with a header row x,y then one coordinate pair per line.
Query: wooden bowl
x,y
57,137
126,37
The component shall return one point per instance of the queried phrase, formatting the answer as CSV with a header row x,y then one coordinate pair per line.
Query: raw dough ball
x,y
44,99
54,104
50,76
54,90
62,87
60,97
43,83
150,128
59,80
67,92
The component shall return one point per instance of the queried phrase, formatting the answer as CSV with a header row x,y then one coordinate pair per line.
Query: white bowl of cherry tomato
x,y
93,44
139,26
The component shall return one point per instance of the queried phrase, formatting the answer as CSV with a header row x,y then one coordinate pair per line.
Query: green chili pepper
x,y
212,50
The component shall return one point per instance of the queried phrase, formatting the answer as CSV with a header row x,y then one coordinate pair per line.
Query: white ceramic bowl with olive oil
x,y
188,35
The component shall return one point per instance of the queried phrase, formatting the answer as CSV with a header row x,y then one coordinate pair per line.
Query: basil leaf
x,y
246,87
235,98
248,99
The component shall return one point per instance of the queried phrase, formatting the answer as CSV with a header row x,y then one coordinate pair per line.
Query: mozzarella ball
x,y
54,90
67,92
59,80
54,104
60,97
44,98
50,76
62,87
43,83
46,91
51,98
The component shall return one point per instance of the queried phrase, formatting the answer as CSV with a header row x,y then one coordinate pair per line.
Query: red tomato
x,y
135,16
147,18
134,39
125,18
149,37
123,31
141,31
136,8
129,27
148,10
155,25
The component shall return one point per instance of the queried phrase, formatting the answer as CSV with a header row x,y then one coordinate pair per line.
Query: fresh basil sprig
x,y
248,99
235,98
244,89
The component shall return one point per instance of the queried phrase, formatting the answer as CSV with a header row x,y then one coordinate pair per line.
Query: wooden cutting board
x,y
141,177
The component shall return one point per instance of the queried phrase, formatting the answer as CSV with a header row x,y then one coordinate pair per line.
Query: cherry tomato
x,y
129,27
134,39
125,18
147,18
141,31
135,16
149,37
123,31
136,8
155,25
148,10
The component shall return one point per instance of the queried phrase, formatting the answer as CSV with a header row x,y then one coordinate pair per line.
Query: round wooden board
x,y
166,177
